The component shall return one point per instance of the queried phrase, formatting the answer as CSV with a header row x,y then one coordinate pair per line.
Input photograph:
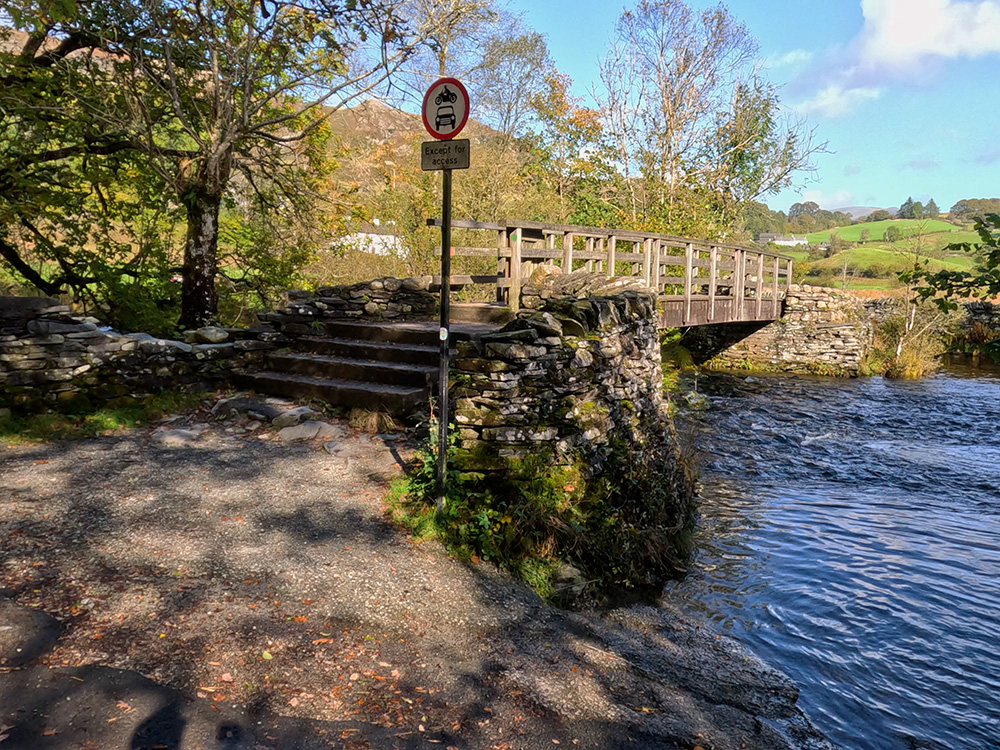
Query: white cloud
x,y
902,33
837,199
836,100
897,39
789,59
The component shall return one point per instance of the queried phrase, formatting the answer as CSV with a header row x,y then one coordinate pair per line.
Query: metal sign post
x,y
445,112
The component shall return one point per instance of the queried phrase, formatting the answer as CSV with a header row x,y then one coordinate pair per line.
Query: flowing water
x,y
850,535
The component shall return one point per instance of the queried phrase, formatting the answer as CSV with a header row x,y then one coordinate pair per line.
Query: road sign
x,y
436,155
446,108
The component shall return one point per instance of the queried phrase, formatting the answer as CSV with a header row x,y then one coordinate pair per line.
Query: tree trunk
x,y
199,301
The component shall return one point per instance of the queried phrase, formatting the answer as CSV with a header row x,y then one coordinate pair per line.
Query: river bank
x,y
850,535
210,588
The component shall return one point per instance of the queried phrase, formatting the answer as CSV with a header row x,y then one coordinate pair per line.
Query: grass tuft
x,y
23,428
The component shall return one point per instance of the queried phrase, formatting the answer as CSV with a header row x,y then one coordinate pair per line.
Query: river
x,y
850,535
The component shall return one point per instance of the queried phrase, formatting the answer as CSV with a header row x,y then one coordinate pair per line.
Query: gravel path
x,y
212,589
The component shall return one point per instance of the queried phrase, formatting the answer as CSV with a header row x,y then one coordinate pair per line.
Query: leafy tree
x,y
809,208
906,210
892,234
865,235
945,287
752,153
691,131
568,132
968,209
223,101
931,210
879,215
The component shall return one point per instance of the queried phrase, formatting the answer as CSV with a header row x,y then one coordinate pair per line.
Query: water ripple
x,y
850,534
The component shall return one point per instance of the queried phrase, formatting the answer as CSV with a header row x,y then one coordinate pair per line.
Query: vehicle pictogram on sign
x,y
446,108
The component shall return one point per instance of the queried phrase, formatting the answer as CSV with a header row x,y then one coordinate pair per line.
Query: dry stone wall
x,y
822,331
50,356
563,375
386,299
982,313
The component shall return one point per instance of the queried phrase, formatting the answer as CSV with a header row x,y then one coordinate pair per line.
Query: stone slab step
x,y
374,351
395,399
410,332
480,313
347,368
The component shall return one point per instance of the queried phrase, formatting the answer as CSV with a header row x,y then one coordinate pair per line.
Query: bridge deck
x,y
699,282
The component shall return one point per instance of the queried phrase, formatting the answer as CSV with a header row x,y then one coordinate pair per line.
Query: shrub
x,y
624,526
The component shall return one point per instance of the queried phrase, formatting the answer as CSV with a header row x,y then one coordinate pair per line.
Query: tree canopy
x,y
946,287
191,139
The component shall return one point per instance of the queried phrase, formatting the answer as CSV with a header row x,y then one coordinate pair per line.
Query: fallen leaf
x,y
267,655
47,732
226,677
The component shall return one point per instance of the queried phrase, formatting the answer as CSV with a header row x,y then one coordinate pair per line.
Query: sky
x,y
906,93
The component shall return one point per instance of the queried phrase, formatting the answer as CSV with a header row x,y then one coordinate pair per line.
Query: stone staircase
x,y
353,364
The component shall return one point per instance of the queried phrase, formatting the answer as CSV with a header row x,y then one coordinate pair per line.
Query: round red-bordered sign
x,y
446,108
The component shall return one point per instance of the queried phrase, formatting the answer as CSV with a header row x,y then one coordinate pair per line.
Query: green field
x,y
876,229
867,256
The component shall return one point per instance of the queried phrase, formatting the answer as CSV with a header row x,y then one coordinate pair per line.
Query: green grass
x,y
799,255
20,429
893,262
876,229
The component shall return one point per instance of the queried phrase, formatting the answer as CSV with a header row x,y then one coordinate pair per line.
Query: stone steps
x,y
360,364
396,399
347,368
374,351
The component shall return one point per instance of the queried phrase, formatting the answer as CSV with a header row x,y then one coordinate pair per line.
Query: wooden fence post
x,y
774,289
515,269
688,280
567,262
713,282
647,261
760,284
503,267
740,258
610,270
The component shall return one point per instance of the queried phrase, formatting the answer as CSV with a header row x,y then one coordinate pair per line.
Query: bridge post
x,y
740,258
688,280
567,262
647,260
610,270
713,281
654,280
515,269
760,284
503,264
774,289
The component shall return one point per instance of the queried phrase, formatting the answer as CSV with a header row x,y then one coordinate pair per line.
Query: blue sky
x,y
905,92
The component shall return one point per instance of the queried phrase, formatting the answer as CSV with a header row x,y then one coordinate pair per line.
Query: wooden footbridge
x,y
699,282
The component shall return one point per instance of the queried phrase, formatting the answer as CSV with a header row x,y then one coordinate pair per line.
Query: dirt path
x,y
211,589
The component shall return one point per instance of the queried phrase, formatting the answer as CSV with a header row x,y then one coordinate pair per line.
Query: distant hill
x,y
860,212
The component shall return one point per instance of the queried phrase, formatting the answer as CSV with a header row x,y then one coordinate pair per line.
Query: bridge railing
x,y
698,281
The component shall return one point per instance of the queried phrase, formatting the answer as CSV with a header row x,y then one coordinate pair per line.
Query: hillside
x,y
876,229
888,261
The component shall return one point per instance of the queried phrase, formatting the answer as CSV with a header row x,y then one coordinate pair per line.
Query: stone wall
x,y
383,299
983,313
822,331
50,356
564,374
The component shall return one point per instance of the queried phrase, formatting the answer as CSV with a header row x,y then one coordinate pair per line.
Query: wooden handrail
x,y
704,281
